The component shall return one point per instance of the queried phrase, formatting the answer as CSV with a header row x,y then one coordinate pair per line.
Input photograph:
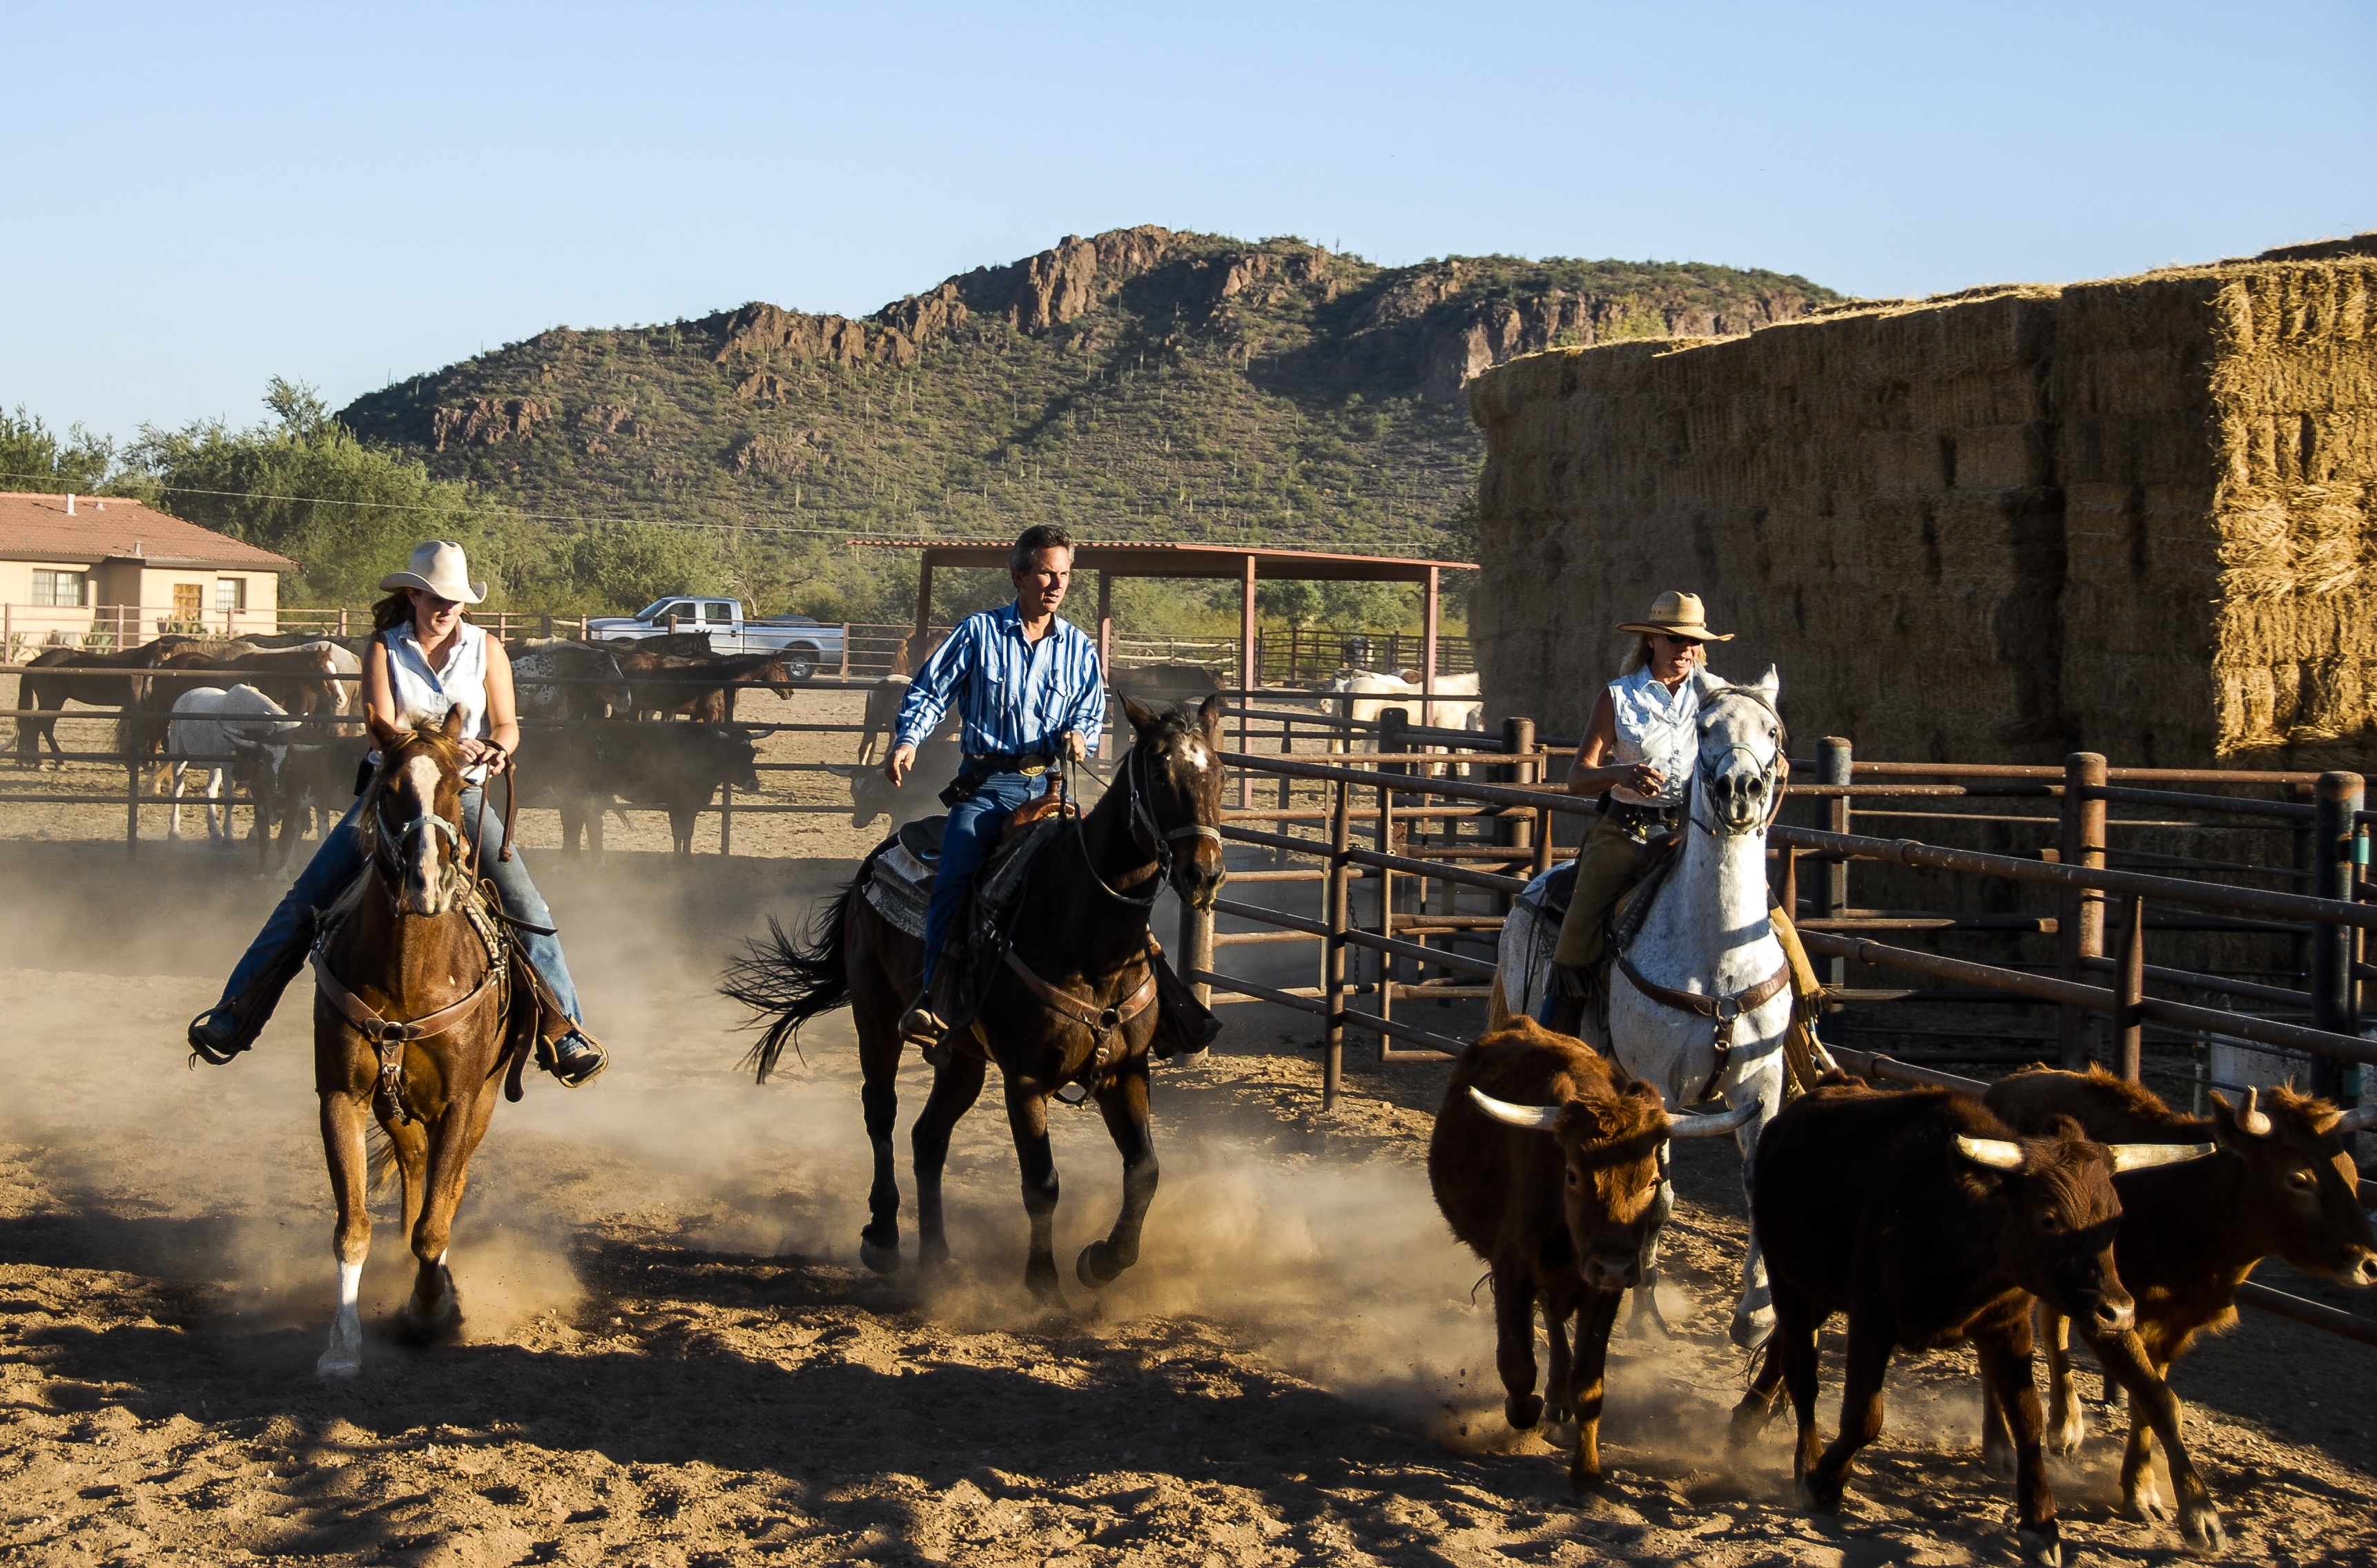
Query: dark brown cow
x,y
1560,1218
2281,1181
1928,1221
679,767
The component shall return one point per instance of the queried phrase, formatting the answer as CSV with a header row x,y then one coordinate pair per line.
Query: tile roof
x,y
34,526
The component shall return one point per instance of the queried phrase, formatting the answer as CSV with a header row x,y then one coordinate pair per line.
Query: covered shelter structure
x,y
1244,564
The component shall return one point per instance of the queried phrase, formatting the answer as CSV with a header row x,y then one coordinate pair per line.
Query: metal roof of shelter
x,y
1226,562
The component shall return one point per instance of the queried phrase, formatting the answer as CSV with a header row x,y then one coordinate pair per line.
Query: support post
x,y
726,818
1197,948
2128,1019
2337,796
1247,675
1428,714
1834,765
1106,622
923,604
1517,833
134,748
1332,953
2081,911
844,671
1387,880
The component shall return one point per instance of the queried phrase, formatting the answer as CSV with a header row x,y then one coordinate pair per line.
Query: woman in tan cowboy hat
x,y
1637,754
425,660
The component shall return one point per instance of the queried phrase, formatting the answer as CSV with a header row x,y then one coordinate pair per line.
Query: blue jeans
x,y
972,832
341,861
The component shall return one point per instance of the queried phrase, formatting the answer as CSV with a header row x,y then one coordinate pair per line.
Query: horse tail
x,y
381,1159
793,980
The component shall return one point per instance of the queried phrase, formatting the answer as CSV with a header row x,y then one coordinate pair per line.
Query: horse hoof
x,y
2041,1548
882,1260
2199,1527
1523,1410
1092,1268
338,1364
1750,1330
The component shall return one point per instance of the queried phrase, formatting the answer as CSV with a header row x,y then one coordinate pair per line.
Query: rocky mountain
x,y
1139,383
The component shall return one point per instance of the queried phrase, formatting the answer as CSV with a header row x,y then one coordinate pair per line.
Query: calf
x,y
1561,1218
294,783
2281,1179
701,687
560,679
1928,1221
678,767
873,795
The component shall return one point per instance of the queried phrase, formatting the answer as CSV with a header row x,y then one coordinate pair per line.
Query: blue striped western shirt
x,y
1013,696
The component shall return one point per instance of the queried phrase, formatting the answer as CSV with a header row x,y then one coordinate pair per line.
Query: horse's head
x,y
1741,766
413,817
1175,773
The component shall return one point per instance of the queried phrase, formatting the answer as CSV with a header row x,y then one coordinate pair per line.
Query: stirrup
x,y
579,1078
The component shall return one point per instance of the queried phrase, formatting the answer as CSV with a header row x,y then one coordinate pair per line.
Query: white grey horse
x,y
1704,967
208,725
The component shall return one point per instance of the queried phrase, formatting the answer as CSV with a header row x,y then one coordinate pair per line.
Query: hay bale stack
x,y
2129,516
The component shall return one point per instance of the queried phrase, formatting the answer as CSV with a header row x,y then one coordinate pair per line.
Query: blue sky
x,y
207,196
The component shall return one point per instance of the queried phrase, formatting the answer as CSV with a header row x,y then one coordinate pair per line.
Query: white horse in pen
x,y
206,731
1701,994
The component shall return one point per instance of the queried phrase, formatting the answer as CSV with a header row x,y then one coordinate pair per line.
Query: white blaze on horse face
x,y
417,788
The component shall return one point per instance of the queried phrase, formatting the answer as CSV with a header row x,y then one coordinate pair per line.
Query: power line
x,y
1308,531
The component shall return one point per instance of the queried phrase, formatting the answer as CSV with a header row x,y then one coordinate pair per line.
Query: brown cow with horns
x,y
2281,1180
1928,1221
1561,1218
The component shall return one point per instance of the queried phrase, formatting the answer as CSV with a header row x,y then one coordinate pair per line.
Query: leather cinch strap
x,y
1102,1023
1725,1011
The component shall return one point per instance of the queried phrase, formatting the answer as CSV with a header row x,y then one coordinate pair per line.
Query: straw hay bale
x,y
2132,516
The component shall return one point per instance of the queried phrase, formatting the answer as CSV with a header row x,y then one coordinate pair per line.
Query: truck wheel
x,y
800,663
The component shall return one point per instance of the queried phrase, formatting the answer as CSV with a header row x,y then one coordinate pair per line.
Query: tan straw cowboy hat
x,y
1676,614
439,568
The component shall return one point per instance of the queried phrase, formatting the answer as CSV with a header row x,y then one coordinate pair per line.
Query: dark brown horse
x,y
411,1017
701,686
1081,933
108,678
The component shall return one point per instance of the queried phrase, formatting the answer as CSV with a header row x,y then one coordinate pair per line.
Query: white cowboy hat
x,y
1676,614
439,568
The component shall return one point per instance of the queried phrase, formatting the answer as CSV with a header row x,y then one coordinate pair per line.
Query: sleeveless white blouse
x,y
1657,726
424,694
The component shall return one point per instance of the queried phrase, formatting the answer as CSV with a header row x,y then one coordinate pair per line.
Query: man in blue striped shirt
x,y
1029,691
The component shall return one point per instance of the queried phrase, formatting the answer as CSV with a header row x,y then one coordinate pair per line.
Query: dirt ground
x,y
671,1355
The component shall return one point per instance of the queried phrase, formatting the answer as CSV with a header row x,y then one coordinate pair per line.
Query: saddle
x,y
534,1018
899,880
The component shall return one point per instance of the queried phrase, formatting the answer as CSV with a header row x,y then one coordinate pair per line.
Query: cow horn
x,y
2251,1120
2359,1119
2137,1156
1543,1119
1999,1154
1713,1124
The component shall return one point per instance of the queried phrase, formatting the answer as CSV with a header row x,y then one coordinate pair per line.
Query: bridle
x,y
1772,773
388,841
1156,843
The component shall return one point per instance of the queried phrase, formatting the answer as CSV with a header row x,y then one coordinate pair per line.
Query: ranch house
x,y
100,568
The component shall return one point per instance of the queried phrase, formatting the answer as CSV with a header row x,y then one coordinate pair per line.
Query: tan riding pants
x,y
1605,864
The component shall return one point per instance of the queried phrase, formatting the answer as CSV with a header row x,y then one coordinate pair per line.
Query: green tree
x,y
303,485
32,456
623,566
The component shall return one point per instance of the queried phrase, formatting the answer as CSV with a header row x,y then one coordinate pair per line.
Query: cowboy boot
x,y
922,1027
224,1030
577,1059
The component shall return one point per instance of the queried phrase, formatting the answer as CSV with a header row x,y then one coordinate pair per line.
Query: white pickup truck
x,y
807,644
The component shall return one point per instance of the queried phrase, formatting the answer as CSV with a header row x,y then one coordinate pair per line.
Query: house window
x,y
189,599
61,588
231,594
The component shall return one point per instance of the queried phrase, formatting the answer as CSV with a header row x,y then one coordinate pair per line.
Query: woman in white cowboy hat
x,y
425,661
1637,754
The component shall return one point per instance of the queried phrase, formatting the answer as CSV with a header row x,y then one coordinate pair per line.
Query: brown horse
x,y
410,1025
701,686
1069,1007
114,677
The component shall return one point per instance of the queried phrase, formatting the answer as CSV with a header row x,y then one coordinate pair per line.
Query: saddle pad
x,y
898,885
